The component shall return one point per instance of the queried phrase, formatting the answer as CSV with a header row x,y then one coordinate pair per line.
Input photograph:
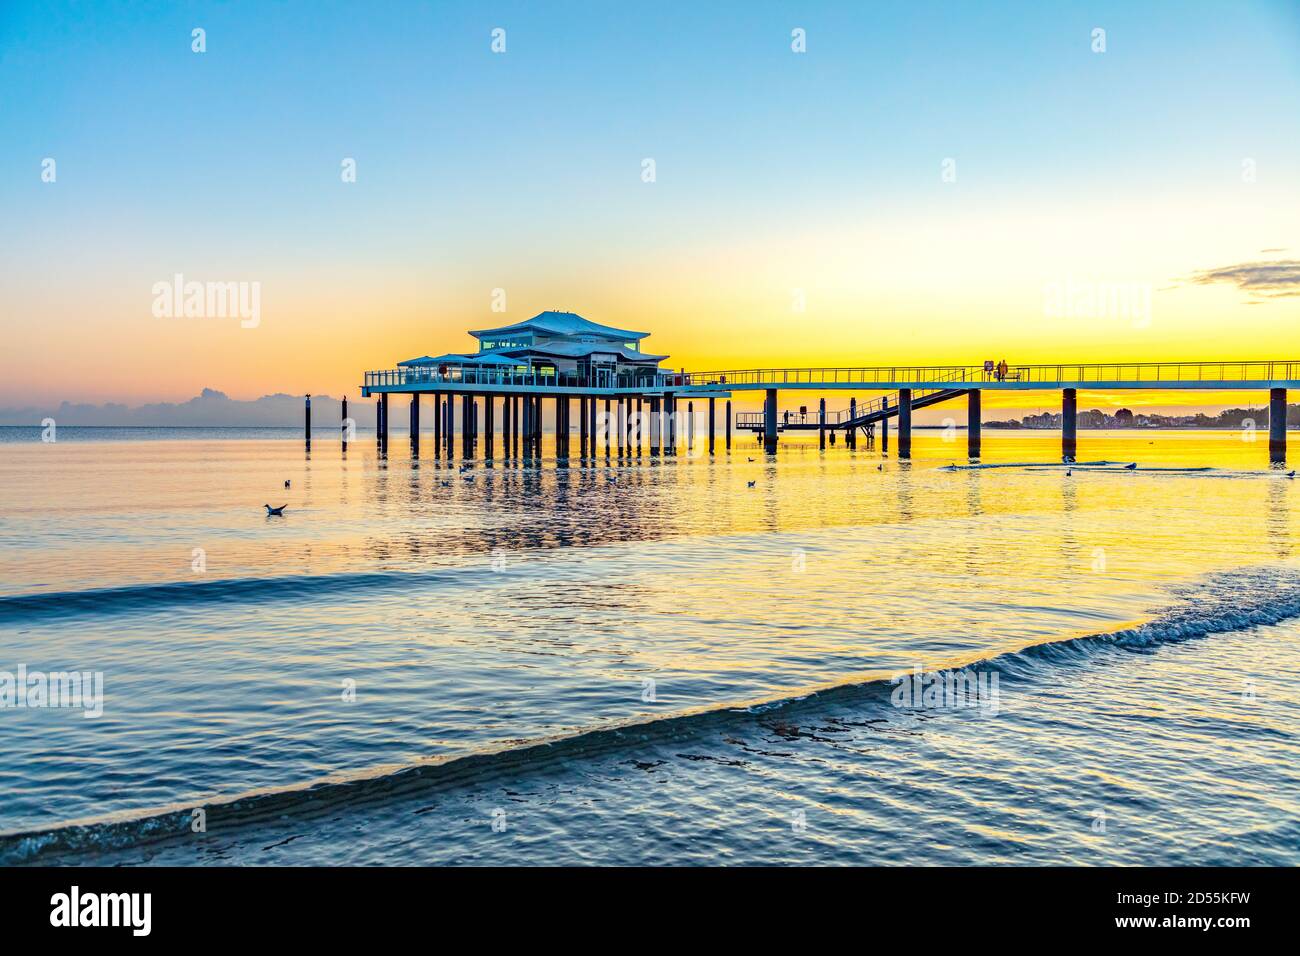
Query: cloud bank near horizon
x,y
210,408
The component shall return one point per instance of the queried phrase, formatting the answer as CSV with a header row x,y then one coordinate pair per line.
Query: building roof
x,y
561,323
455,358
583,349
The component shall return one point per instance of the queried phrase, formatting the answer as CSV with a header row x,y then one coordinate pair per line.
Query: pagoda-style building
x,y
557,347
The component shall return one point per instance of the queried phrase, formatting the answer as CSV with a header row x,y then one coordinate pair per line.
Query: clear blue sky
x,y
477,171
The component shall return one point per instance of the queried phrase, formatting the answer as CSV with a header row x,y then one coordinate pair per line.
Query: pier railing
x,y
1128,374
1100,373
478,375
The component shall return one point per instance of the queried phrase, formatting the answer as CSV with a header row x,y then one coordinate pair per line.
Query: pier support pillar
x,y
539,420
656,427
670,412
526,439
591,427
851,434
383,434
449,427
728,424
769,421
488,427
973,423
1069,424
640,417
467,427
1277,425
690,426
821,425
415,425
437,425
307,423
712,415
884,425
904,423
582,426
609,427
506,402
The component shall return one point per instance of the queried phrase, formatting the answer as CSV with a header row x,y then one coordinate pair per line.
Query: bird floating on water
x,y
286,482
1290,474
751,459
1132,466
1068,473
274,511
752,484
880,468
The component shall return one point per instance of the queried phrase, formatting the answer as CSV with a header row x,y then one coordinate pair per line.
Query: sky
x,y
927,183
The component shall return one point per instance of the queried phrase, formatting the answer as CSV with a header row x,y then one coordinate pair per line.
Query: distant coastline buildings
x,y
1233,418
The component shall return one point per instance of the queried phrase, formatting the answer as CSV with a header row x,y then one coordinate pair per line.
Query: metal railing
x,y
1127,373
478,375
861,410
1101,373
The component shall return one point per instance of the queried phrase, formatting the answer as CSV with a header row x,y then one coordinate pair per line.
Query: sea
x,y
826,657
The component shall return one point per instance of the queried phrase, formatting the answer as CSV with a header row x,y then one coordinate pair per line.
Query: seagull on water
x,y
1131,467
752,484
880,468
286,482
1068,473
751,459
1290,474
274,511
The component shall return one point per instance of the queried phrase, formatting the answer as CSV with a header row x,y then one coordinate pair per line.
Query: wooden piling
x,y
728,424
769,421
415,425
1277,426
712,410
343,425
821,425
851,433
1069,424
973,423
904,423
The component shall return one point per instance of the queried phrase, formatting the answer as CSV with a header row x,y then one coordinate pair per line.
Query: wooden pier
x,y
521,393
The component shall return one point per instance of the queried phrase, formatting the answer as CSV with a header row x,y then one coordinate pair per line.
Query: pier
x,y
909,388
560,357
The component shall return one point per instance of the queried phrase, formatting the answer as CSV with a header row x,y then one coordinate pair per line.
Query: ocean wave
x,y
19,608
1223,602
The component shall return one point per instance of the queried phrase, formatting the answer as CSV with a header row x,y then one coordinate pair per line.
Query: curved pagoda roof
x,y
561,323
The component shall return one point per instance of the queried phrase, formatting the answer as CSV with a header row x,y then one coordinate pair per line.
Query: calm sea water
x,y
651,661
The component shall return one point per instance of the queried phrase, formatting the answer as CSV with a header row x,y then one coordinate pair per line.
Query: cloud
x,y
210,408
1261,280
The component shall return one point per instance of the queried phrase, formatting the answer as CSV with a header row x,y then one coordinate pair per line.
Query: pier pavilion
x,y
560,356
